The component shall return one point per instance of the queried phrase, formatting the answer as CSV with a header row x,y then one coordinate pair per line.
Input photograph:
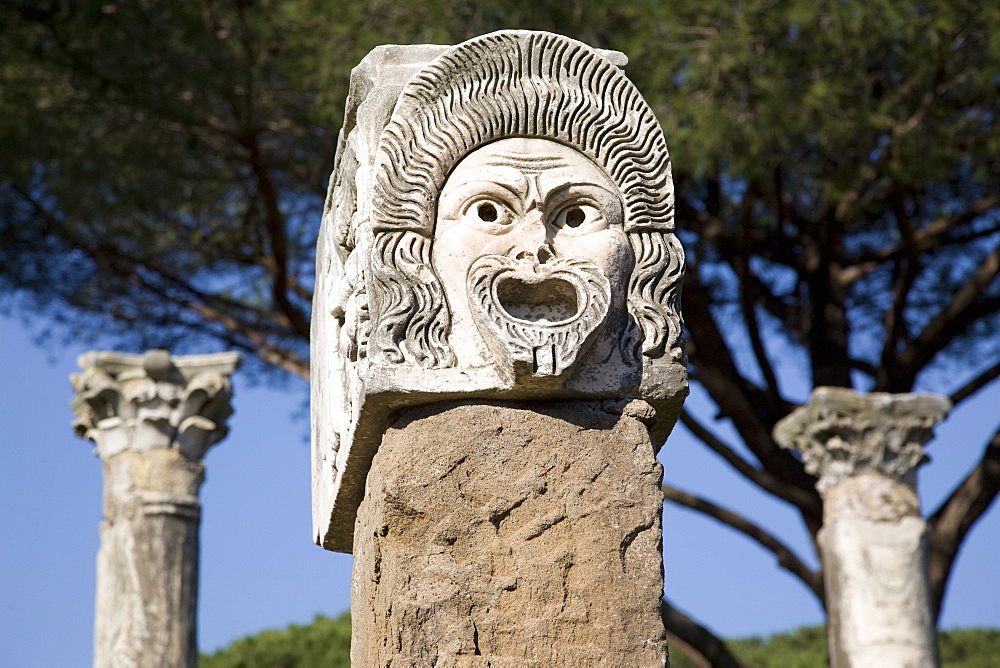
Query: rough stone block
x,y
511,535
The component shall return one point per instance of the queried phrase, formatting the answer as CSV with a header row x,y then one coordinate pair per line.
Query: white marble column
x,y
152,417
866,450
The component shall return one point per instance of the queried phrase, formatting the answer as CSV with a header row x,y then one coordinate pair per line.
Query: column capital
x,y
153,400
842,433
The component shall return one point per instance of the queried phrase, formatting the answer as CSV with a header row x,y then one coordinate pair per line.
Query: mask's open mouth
x,y
536,318
543,301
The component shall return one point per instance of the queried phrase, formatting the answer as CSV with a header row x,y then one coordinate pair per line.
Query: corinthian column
x,y
865,449
496,333
152,418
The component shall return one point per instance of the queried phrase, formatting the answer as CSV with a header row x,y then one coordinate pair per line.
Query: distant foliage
x,y
969,648
326,642
803,648
807,648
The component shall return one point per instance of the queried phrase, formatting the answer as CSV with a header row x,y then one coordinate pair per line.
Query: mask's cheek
x,y
454,249
465,243
608,249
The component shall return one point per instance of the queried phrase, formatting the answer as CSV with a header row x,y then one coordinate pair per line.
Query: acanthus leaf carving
x,y
842,433
153,401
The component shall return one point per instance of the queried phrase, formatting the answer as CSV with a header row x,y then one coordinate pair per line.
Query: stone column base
x,y
521,534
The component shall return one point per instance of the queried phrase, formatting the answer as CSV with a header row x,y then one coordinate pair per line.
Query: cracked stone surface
x,y
519,534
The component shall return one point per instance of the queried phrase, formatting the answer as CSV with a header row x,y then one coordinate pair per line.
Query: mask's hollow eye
x,y
580,217
575,217
487,212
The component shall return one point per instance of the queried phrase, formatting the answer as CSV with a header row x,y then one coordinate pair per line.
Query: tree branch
x,y
711,649
126,265
953,520
908,268
747,302
258,344
805,500
827,335
273,218
787,559
737,398
931,236
266,350
974,385
275,227
965,307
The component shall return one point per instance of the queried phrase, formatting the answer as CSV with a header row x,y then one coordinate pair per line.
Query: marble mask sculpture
x,y
532,256
499,225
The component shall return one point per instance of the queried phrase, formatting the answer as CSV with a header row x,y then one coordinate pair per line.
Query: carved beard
x,y
537,318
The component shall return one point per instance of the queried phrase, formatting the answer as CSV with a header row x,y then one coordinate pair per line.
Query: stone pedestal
x,y
865,450
152,417
511,535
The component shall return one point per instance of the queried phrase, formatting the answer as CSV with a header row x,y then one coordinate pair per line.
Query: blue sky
x,y
260,569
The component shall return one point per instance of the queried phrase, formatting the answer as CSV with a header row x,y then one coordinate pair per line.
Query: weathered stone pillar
x,y
152,418
511,535
499,233
866,450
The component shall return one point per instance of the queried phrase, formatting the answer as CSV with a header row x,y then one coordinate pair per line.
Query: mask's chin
x,y
537,319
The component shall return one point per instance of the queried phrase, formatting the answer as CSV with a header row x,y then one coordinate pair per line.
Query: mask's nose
x,y
533,238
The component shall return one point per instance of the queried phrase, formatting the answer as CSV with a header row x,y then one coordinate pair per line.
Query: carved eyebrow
x,y
462,193
562,190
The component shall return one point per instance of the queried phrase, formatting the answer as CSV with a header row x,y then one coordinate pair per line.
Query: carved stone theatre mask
x,y
499,225
531,251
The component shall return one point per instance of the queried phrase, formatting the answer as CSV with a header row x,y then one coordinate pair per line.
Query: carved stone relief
x,y
499,224
533,259
153,400
842,433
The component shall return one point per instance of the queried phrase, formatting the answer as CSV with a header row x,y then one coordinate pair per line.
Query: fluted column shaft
x,y
152,417
865,450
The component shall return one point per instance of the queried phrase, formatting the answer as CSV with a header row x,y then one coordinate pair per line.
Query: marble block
x,y
499,225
